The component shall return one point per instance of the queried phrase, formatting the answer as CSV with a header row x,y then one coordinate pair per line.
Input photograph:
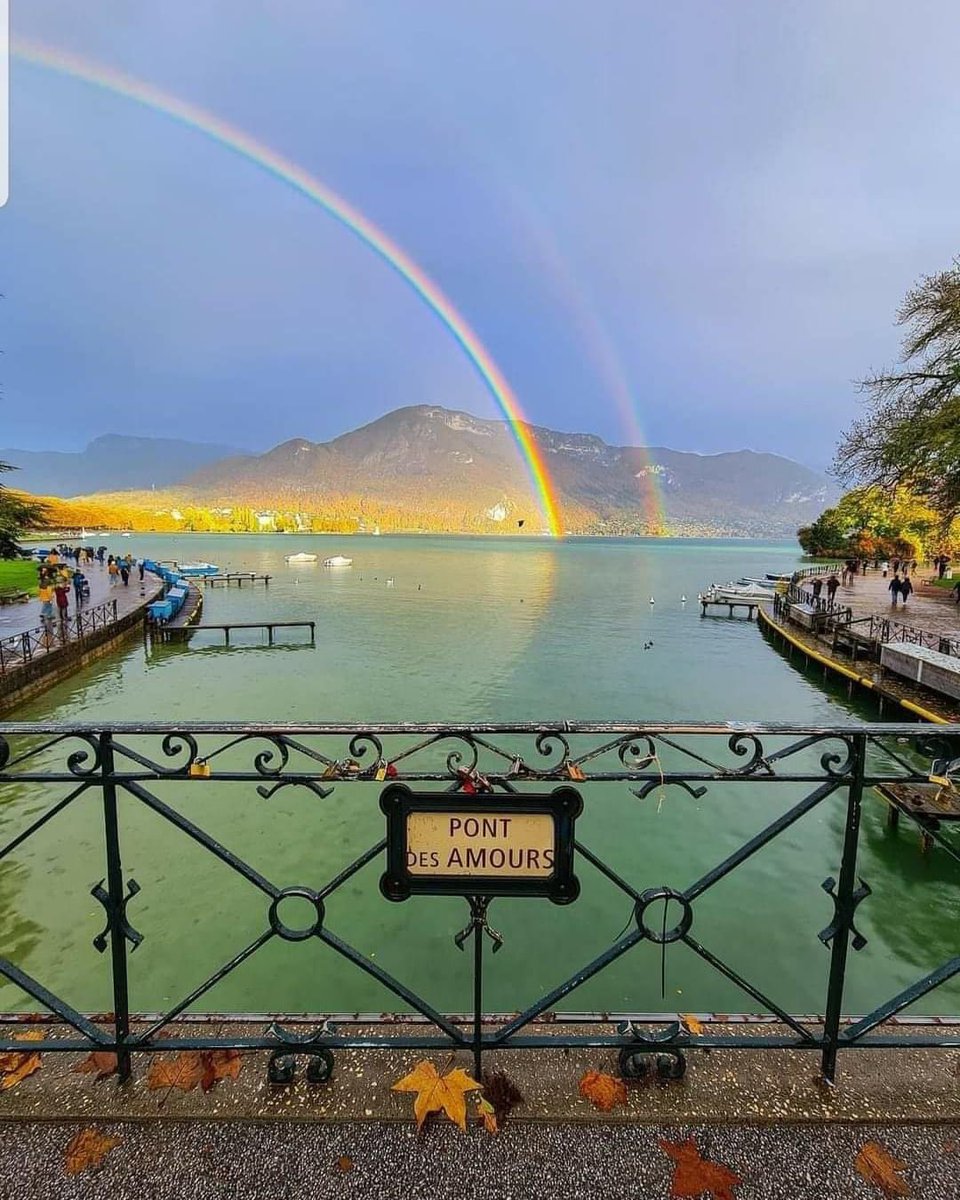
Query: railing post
x,y
116,921
845,905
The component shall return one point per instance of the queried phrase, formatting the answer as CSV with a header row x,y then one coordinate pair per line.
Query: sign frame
x,y
564,804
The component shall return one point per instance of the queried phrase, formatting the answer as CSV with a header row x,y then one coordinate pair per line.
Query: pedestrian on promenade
x,y
817,588
46,596
101,551
125,573
62,593
78,582
906,587
885,567
113,571
894,590
140,569
832,584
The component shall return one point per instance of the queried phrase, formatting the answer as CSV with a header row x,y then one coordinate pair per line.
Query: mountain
x,y
437,468
109,463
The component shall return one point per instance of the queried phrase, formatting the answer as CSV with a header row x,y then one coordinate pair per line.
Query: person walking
x,y
885,567
113,571
62,593
78,581
894,589
140,569
125,573
832,584
906,587
817,589
46,597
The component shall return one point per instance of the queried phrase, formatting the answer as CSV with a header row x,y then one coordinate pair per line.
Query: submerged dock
x,y
237,577
175,632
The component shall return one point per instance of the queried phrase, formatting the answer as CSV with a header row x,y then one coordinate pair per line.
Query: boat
x,y
300,558
198,568
337,561
376,531
736,593
778,578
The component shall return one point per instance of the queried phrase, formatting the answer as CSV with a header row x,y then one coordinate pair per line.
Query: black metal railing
x,y
124,773
17,649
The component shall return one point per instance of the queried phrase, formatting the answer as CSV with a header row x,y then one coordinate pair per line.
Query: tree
x,y
17,513
911,431
872,523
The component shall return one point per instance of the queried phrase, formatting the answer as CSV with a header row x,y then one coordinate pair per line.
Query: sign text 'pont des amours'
x,y
440,844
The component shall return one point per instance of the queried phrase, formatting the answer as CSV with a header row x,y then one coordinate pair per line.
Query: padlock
x,y
381,772
200,769
574,772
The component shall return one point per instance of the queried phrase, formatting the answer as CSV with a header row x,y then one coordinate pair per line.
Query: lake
x,y
461,630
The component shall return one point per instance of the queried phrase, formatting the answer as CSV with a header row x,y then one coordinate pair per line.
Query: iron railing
x,y
18,649
122,773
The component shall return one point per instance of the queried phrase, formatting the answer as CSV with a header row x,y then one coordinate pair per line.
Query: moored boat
x,y
736,593
300,558
338,560
195,569
778,578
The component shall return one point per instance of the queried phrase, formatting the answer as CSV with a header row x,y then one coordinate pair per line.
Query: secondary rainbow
x,y
371,235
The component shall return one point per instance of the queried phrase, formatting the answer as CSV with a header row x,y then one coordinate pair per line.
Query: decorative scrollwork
x,y
116,915
263,762
631,754
844,915
173,746
742,744
282,1065
81,763
547,743
311,784
478,923
362,744
653,785
838,765
455,760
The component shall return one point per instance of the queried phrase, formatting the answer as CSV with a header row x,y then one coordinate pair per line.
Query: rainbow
x,y
196,118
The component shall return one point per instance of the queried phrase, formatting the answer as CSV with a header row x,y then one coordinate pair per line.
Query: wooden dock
x,y
173,631
750,605
237,577
928,804
189,613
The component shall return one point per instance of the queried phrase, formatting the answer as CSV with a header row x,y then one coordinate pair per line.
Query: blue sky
x,y
737,195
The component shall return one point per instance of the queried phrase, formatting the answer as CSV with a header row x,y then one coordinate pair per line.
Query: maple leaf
x,y
183,1072
878,1166
500,1091
695,1176
487,1114
603,1091
436,1092
691,1024
217,1065
344,1164
100,1062
16,1065
88,1150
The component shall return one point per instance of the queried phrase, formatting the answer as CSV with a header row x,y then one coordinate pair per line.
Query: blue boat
x,y
192,570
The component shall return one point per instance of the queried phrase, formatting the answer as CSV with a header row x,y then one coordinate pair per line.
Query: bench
x,y
13,596
930,668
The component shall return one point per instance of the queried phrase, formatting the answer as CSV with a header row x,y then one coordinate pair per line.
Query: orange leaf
x,y
183,1072
436,1092
99,1062
217,1065
878,1166
88,1149
696,1176
344,1164
691,1024
603,1091
15,1065
488,1114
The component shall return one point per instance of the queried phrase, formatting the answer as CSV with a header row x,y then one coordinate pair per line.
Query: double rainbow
x,y
362,227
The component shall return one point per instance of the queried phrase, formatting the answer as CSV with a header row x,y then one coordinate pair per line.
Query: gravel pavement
x,y
372,1161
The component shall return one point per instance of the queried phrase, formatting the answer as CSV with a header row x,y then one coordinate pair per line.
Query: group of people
x,y
57,579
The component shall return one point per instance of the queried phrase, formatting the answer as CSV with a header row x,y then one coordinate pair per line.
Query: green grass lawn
x,y
18,574
949,584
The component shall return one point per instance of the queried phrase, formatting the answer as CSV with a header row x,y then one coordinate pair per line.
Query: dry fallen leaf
x,y
500,1091
88,1150
603,1091
696,1176
487,1114
878,1166
691,1024
344,1164
16,1065
100,1063
436,1092
217,1065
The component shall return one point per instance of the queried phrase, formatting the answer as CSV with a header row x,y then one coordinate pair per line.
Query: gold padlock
x,y
574,771
200,769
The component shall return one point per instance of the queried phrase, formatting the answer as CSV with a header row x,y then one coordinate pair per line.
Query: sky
x,y
684,224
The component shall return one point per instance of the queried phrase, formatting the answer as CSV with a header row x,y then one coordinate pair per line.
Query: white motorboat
x,y
737,593
338,560
752,579
779,578
300,558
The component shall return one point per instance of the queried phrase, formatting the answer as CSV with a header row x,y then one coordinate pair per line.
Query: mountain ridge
x,y
430,466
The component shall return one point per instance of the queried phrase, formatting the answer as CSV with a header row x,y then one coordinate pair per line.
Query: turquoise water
x,y
468,630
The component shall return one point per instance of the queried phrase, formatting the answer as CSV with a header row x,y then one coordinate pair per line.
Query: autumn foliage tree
x,y
910,433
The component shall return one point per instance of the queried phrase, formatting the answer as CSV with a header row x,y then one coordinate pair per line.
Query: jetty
x,y
177,631
236,577
707,603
